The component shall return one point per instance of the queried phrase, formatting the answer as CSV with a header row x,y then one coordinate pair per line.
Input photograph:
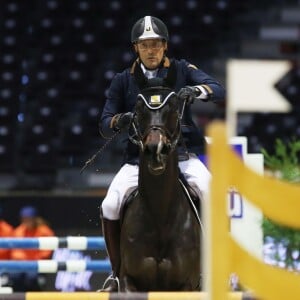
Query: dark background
x,y
73,215
57,59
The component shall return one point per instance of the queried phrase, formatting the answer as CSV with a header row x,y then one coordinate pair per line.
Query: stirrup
x,y
108,279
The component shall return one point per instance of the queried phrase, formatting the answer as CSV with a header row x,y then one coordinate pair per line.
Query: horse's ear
x,y
139,76
170,80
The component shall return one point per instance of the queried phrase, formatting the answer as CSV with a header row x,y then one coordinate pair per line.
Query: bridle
x,y
138,138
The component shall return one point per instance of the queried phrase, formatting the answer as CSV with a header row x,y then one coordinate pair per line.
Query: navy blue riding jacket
x,y
123,93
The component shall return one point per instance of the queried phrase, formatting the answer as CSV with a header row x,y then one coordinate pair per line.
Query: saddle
x,y
193,198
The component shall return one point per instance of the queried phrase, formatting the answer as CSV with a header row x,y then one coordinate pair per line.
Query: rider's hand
x,y
122,121
190,93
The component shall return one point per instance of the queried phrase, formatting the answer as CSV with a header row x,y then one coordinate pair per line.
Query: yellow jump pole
x,y
66,296
217,249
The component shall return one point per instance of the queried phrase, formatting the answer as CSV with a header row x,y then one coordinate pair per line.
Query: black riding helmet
x,y
149,28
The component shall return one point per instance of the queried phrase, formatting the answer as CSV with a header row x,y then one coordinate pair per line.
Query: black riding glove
x,y
122,121
189,93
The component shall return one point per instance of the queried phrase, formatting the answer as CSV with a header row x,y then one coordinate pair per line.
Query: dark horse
x,y
160,234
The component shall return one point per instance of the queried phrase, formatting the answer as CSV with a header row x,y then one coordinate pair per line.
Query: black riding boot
x,y
111,232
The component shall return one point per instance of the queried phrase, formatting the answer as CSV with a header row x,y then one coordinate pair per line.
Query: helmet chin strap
x,y
164,62
161,64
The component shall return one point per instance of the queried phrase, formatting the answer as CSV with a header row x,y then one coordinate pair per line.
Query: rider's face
x,y
151,52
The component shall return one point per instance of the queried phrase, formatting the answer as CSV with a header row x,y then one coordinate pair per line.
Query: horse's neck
x,y
160,191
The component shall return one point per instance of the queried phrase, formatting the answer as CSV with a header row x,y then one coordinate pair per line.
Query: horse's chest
x,y
157,240
144,227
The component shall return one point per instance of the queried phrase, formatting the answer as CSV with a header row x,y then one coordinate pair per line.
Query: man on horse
x,y
149,37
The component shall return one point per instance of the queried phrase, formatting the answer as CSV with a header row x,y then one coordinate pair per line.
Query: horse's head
x,y
157,120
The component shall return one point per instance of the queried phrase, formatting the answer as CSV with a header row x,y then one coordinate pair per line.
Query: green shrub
x,y
284,164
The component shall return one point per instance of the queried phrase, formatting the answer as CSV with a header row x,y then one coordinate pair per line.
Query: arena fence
x,y
52,243
278,201
52,266
119,296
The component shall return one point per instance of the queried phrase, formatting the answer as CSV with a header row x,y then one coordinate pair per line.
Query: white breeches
x,y
126,180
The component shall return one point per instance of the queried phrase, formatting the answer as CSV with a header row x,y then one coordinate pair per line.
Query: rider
x,y
149,37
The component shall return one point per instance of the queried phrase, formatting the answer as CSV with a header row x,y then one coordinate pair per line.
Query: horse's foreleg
x,y
164,273
142,277
129,286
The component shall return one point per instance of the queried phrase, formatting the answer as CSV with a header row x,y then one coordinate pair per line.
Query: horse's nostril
x,y
165,149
